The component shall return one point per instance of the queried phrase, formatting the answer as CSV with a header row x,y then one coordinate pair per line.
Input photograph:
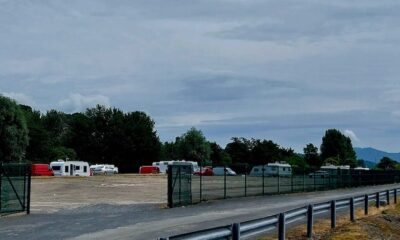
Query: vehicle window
x,y
289,169
56,168
255,169
77,167
84,168
273,168
66,169
284,169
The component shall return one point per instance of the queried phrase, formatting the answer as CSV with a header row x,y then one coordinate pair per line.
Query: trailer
x,y
70,168
163,165
272,169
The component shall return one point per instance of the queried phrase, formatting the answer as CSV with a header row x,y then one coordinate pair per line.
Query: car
x,y
100,169
319,173
206,171
221,171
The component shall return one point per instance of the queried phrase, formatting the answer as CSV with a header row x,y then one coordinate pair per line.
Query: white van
x,y
70,168
272,169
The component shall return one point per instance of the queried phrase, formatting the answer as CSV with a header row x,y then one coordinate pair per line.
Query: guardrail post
x,y
333,214
388,197
310,221
281,226
236,231
366,202
395,196
377,200
352,216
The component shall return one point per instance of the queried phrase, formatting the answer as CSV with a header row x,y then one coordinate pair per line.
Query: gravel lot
x,y
50,194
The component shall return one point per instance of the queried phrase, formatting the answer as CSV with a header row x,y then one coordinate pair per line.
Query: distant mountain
x,y
374,155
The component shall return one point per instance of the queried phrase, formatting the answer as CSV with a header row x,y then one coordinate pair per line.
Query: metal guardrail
x,y
255,227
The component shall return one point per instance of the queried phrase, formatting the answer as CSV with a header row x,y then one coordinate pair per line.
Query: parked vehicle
x,y
41,170
272,169
70,168
205,171
319,174
102,169
362,168
149,170
220,171
163,165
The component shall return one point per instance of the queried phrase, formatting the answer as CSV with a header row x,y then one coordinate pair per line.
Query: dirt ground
x,y
55,193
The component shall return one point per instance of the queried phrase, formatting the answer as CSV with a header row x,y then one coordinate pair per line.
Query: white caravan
x,y
163,165
272,169
70,168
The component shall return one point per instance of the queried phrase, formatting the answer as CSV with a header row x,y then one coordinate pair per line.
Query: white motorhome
x,y
163,165
70,168
272,169
361,168
333,167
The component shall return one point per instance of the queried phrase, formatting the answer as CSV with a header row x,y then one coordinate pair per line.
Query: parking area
x,y
50,194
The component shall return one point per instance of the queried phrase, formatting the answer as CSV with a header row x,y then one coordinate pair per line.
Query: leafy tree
x,y
335,144
170,151
239,150
218,155
194,146
39,139
361,163
266,151
13,131
387,164
311,156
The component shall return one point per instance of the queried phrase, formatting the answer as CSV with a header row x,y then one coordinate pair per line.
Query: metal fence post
x,y
263,178
377,200
352,216
236,231
333,214
1,178
28,200
310,221
395,196
170,200
281,226
279,182
224,182
291,181
304,181
245,183
366,202
201,181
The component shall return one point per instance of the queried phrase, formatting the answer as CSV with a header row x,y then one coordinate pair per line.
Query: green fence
x,y
245,184
179,184
15,187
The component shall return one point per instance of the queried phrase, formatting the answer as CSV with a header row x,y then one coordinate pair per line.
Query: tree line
x,y
129,140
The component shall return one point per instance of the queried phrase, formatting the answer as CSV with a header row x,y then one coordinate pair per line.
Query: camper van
x,y
163,165
272,169
70,168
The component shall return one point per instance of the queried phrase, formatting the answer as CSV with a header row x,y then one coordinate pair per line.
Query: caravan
x,y
272,169
163,165
70,168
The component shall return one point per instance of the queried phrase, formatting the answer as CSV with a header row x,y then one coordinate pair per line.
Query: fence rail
x,y
279,222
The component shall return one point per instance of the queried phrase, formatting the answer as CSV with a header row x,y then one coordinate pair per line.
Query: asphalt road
x,y
150,221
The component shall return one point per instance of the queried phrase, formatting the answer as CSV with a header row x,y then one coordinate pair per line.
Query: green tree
x,y
387,164
336,145
218,155
13,131
239,150
311,156
266,151
194,146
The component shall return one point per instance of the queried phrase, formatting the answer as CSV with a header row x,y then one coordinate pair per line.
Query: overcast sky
x,y
279,70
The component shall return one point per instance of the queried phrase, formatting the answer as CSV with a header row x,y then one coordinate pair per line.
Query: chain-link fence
x,y
15,187
239,181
